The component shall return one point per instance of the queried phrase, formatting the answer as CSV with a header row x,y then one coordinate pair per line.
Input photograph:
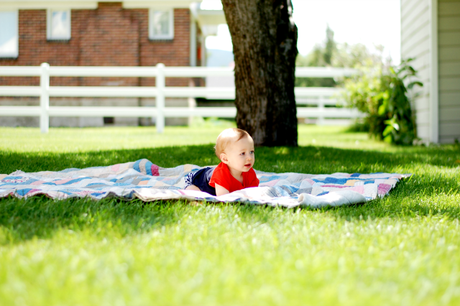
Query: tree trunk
x,y
265,48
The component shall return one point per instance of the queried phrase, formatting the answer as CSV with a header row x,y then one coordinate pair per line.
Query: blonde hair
x,y
229,136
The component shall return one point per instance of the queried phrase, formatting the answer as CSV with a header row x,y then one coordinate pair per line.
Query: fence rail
x,y
320,96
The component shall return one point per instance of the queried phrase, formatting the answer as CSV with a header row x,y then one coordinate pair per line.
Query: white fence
x,y
320,96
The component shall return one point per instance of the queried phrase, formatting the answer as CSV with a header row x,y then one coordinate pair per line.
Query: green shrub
x,y
381,93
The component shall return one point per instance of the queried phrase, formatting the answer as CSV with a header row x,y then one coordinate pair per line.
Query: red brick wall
x,y
107,36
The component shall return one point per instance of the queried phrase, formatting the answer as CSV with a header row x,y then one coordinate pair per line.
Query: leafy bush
x,y
382,95
331,53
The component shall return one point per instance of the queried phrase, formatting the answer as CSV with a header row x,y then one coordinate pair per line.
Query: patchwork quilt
x,y
148,182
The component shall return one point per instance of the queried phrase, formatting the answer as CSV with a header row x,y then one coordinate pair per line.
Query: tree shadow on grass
x,y
50,161
314,159
41,217
309,159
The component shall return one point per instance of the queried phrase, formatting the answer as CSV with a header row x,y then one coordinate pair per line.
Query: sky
x,y
370,22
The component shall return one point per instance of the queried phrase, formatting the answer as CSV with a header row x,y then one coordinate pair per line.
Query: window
x,y
58,25
161,24
9,34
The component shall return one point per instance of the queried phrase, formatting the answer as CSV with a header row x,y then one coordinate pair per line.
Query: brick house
x,y
100,33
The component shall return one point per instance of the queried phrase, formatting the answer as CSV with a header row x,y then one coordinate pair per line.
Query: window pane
x,y
161,23
8,34
60,25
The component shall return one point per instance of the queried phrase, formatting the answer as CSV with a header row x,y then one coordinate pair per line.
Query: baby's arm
x,y
192,187
221,190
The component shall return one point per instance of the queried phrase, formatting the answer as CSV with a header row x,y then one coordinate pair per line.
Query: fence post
x,y
191,104
320,120
160,99
44,97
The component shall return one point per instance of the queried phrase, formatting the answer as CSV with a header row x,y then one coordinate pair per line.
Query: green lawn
x,y
403,249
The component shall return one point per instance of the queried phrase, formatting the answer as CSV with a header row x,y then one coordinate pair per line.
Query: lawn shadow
x,y
50,161
308,159
405,201
41,217
317,159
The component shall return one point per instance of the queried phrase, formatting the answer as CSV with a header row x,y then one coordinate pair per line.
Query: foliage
x,y
320,56
353,56
382,95
333,54
112,252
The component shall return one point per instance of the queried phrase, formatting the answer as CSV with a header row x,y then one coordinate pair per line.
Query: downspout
x,y
193,17
193,14
434,74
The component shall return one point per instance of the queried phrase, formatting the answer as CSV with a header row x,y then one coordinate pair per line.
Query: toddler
x,y
235,149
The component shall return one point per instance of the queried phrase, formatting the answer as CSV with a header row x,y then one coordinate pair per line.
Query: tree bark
x,y
265,48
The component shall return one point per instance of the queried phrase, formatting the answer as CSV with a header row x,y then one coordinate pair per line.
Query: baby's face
x,y
240,154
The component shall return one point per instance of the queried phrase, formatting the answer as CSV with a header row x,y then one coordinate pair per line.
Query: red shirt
x,y
224,178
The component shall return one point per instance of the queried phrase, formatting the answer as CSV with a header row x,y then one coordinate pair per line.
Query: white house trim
x,y
207,21
49,25
192,42
91,4
40,5
155,3
434,74
12,47
167,36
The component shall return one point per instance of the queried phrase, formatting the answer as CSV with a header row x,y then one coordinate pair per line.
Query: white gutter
x,y
434,74
193,19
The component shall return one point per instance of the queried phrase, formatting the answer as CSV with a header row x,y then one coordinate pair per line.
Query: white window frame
x,y
168,36
49,21
14,54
